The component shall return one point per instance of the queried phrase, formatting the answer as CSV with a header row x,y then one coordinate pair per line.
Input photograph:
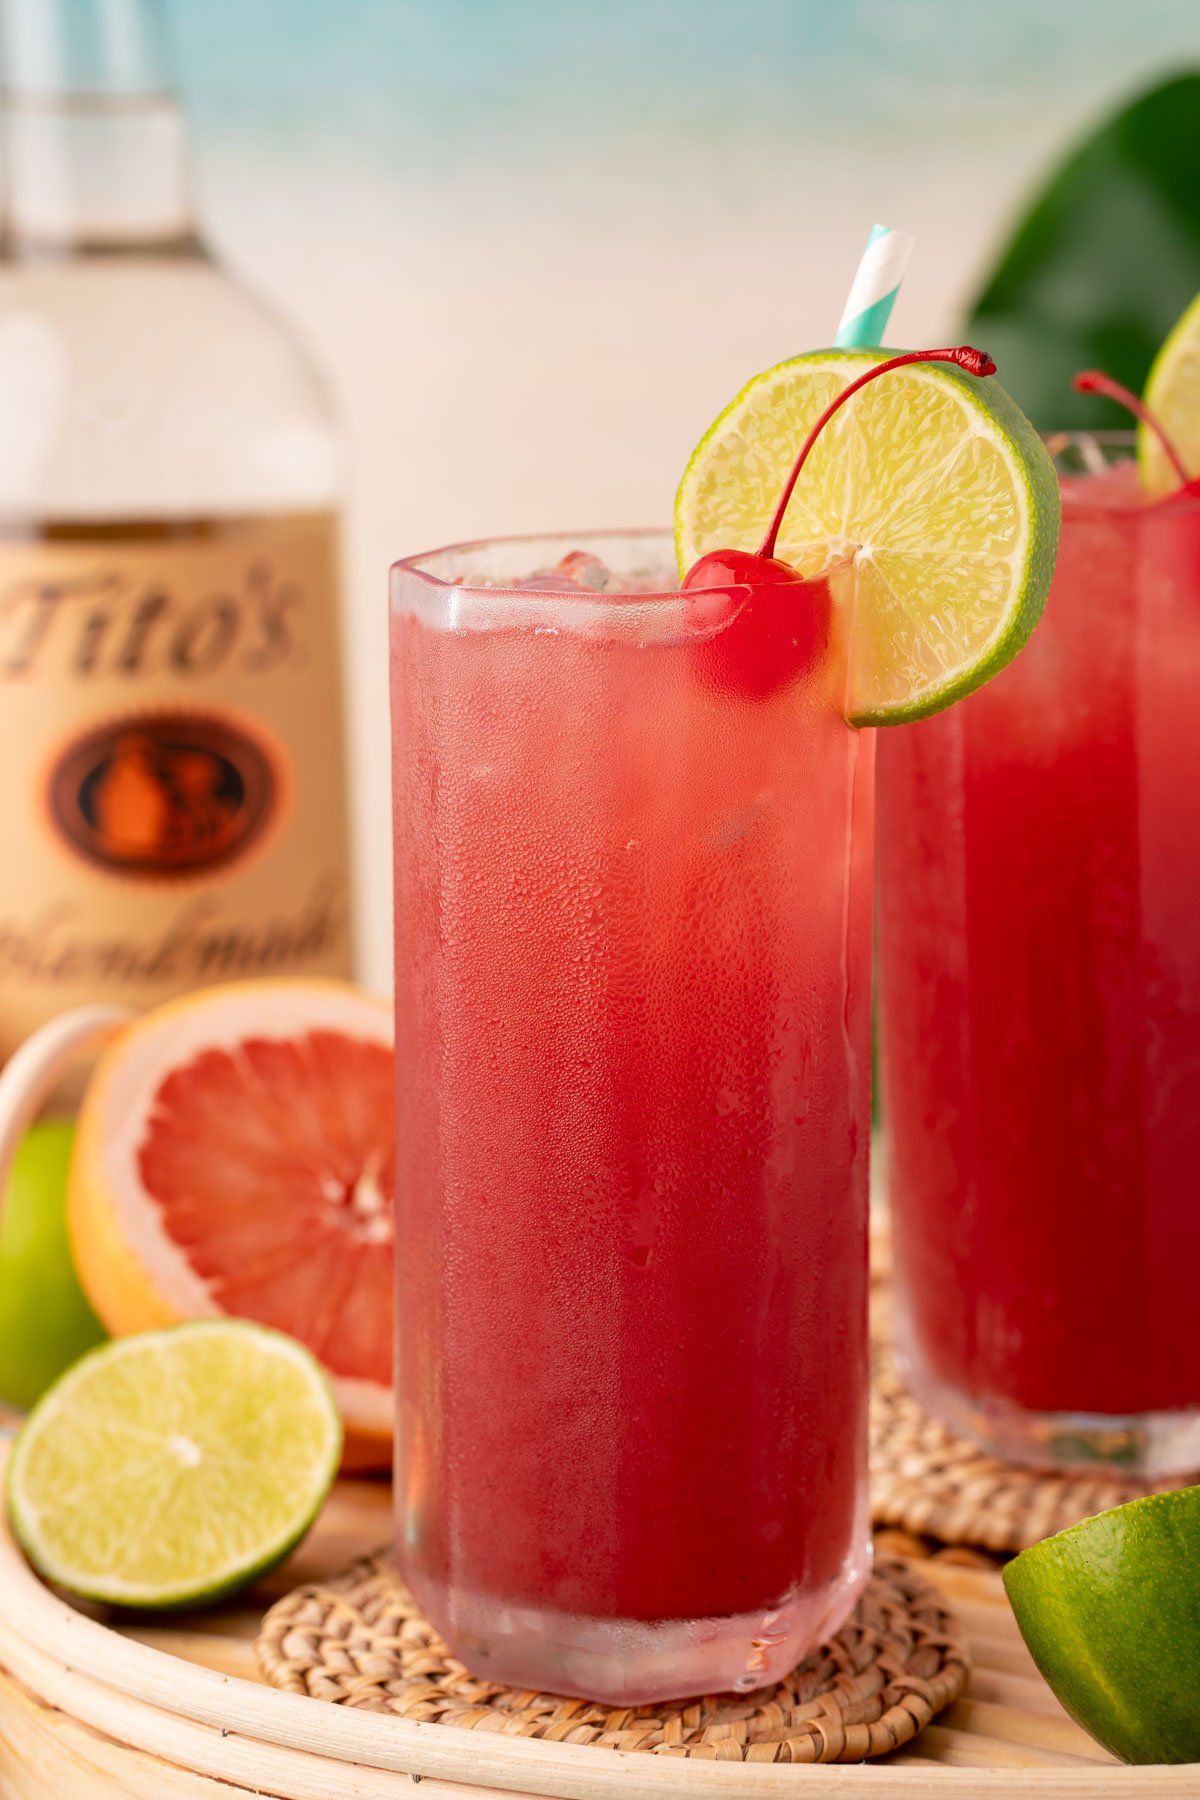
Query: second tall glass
x,y
1039,859
633,901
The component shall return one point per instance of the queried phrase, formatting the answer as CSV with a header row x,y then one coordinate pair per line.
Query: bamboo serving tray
x,y
173,1708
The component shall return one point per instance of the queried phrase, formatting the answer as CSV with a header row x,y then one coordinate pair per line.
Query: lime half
x,y
1110,1610
171,1468
1173,396
934,481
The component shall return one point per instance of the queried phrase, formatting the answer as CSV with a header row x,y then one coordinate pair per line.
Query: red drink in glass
x,y
1039,851
632,973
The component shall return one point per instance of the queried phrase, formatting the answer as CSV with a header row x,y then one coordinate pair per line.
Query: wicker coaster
x,y
927,1479
359,1640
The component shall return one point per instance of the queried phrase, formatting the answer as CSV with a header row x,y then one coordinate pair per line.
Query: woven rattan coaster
x,y
359,1640
927,1479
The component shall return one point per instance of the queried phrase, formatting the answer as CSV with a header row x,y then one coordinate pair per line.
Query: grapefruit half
x,y
234,1155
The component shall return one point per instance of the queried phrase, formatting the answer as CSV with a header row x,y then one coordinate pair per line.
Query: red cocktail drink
x,y
632,972
1040,959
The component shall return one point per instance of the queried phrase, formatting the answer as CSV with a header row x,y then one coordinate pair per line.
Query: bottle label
x,y
172,809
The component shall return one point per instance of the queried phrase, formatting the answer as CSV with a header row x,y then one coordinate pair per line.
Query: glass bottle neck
x,y
95,144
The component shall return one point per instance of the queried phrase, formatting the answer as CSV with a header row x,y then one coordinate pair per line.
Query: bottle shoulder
x,y
154,383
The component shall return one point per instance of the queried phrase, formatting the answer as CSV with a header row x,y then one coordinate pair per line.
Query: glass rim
x,y
415,568
1117,449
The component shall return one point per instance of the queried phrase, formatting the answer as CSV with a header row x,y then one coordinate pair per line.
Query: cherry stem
x,y
975,362
1095,381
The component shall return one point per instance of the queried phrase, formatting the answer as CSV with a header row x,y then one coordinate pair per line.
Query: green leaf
x,y
1102,264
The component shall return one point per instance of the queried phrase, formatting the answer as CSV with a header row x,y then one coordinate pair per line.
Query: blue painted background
x,y
537,244
450,80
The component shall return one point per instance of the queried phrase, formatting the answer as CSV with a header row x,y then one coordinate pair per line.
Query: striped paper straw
x,y
874,289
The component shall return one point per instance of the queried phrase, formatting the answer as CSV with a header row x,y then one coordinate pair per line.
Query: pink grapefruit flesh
x,y
236,1156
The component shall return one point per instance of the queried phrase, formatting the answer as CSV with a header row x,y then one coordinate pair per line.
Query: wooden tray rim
x,y
234,1730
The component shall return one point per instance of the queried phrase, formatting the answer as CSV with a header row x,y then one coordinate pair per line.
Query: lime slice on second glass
x,y
1173,396
934,481
1110,1610
171,1468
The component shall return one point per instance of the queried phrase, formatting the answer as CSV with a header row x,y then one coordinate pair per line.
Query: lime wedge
x,y
1173,396
936,483
1110,1610
171,1468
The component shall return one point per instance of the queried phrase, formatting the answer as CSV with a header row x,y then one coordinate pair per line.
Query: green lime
x,y
938,485
1173,396
45,1320
172,1468
1110,1610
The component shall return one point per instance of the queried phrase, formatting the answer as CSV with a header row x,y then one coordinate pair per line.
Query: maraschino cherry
x,y
767,643
1095,381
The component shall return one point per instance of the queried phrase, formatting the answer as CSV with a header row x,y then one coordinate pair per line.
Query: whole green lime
x,y
1110,1610
45,1321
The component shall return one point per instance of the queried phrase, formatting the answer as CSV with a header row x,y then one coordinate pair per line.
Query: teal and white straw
x,y
874,289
